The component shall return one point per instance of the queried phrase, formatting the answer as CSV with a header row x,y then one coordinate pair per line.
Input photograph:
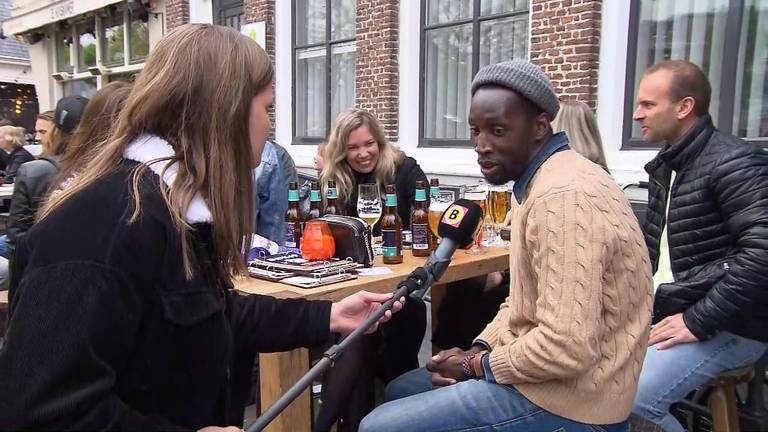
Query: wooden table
x,y
279,371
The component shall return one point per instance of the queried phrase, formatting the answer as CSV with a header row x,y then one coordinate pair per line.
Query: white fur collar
x,y
147,148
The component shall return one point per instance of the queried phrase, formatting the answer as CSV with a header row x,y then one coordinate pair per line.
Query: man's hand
x,y
349,313
220,429
446,367
671,331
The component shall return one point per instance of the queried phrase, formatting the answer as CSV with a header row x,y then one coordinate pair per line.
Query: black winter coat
x,y
17,157
717,232
33,182
106,333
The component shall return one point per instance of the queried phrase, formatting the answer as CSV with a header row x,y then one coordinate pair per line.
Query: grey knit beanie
x,y
521,77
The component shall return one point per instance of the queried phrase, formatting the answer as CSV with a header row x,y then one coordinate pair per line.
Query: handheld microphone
x,y
458,226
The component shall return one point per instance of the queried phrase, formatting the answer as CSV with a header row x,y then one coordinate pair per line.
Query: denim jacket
x,y
271,178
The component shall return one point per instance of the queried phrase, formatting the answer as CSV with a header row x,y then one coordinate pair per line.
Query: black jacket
x,y
32,183
106,333
717,231
406,176
15,159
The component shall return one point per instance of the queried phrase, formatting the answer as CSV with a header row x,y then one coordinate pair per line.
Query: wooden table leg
x,y
437,294
278,372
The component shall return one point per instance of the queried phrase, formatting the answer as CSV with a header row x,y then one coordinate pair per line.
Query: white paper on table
x,y
374,271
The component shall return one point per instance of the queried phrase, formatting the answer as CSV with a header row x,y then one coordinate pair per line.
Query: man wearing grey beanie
x,y
565,349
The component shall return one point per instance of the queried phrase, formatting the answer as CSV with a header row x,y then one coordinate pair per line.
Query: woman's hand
x,y
349,313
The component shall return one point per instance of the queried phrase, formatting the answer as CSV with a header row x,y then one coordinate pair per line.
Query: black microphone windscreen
x,y
460,221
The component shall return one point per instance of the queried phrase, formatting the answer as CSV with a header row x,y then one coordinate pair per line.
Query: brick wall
x,y
176,14
376,74
263,10
565,42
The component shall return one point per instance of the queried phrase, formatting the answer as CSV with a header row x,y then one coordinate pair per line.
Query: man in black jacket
x,y
707,235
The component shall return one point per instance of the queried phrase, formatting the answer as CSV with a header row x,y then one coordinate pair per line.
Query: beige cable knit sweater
x,y
572,334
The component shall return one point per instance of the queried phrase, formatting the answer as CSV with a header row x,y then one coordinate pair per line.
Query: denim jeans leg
x,y
472,405
5,247
408,384
669,375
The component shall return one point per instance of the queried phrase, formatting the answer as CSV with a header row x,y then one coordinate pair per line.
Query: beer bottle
x,y
314,201
435,211
391,229
293,217
420,222
331,195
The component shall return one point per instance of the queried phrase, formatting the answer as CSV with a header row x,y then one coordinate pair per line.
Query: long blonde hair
x,y
579,123
195,92
336,166
14,135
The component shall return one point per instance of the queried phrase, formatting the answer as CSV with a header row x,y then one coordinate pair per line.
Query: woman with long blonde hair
x,y
358,152
121,294
579,123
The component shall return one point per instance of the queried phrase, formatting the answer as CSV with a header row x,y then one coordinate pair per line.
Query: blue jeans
x,y
472,405
669,375
6,249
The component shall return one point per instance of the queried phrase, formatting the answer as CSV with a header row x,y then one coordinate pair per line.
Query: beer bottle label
x,y
391,200
434,191
332,193
420,235
290,235
421,195
293,195
389,243
314,195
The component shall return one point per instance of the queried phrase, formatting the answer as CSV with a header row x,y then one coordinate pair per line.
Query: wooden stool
x,y
722,399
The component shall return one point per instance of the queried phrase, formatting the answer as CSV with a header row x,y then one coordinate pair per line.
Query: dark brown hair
x,y
46,115
688,80
97,121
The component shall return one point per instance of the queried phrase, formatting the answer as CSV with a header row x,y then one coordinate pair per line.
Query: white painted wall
x,y
41,60
201,11
627,165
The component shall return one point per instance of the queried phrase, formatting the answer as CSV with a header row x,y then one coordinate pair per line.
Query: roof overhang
x,y
36,14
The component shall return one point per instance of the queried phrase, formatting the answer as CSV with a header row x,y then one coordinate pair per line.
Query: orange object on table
x,y
317,242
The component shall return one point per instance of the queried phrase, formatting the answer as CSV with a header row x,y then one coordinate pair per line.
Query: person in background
x,y
319,159
305,188
34,178
706,229
43,126
121,294
578,121
12,142
564,350
272,176
99,116
358,152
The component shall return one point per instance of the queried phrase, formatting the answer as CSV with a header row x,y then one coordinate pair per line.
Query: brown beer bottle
x,y
391,229
314,201
293,217
420,222
331,195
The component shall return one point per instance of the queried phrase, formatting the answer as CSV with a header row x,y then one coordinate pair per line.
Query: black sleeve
x,y
68,325
21,215
13,167
267,324
407,175
740,186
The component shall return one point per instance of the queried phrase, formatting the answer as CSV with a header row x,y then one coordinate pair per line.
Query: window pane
x,y
444,11
682,29
342,19
114,41
86,38
750,116
503,39
139,41
448,58
310,21
64,50
342,78
310,92
84,87
493,7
